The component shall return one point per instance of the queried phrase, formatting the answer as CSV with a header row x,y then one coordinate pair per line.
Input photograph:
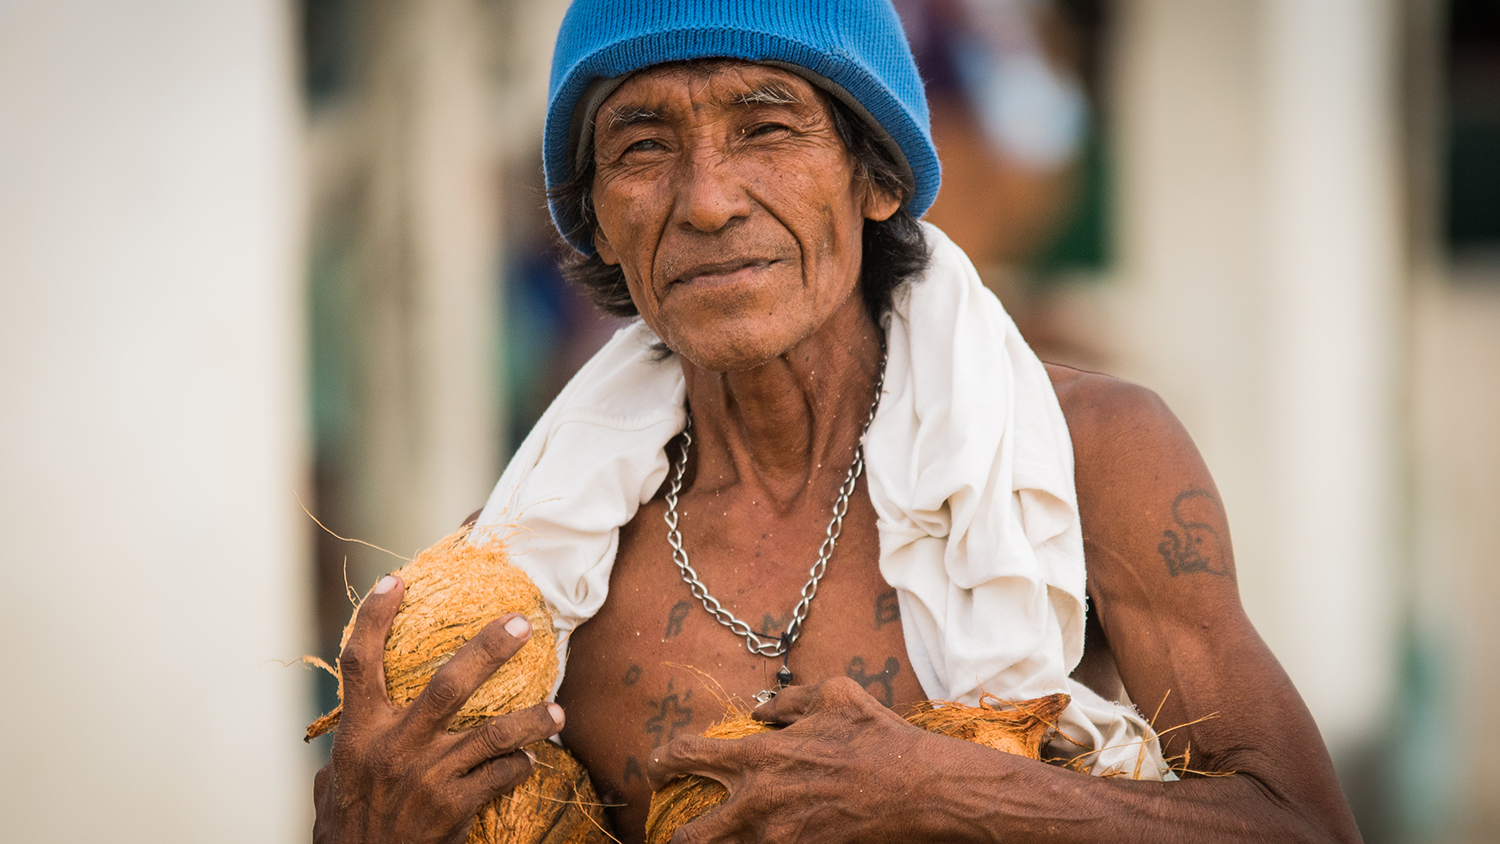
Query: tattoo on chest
x,y
633,770
1195,547
675,617
774,625
632,675
878,685
672,714
887,610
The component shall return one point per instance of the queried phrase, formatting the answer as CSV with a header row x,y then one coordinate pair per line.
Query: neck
x,y
790,425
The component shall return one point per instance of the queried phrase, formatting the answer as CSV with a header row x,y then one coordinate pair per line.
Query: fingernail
x,y
557,714
529,754
518,627
386,584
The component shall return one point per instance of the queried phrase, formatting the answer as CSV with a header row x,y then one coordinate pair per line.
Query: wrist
x,y
965,792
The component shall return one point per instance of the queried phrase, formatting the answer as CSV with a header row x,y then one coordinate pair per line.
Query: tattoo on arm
x,y
887,609
675,617
878,685
1195,546
632,674
672,714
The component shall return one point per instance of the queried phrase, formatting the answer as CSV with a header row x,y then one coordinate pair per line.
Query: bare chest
x,y
653,664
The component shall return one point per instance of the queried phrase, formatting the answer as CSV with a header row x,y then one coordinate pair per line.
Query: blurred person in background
x,y
1005,83
816,379
1010,116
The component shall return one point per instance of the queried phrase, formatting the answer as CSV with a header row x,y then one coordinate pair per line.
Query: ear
x,y
880,204
606,250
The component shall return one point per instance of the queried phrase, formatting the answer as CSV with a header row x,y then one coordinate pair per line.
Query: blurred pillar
x,y
151,434
427,315
1260,245
1336,295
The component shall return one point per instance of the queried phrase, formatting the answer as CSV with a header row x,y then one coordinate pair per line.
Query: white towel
x,y
970,472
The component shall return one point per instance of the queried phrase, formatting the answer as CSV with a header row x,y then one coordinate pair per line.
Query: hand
x,y
398,775
842,770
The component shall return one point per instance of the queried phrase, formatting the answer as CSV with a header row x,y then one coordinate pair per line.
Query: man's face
x,y
725,195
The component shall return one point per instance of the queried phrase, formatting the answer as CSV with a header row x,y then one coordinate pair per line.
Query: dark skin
x,y
734,212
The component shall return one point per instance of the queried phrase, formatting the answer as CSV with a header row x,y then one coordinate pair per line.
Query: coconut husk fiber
x,y
1017,728
685,798
454,589
556,805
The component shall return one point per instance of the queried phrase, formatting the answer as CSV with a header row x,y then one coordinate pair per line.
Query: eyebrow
x,y
769,93
631,115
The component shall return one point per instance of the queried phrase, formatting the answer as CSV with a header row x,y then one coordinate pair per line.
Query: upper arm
x,y
1161,570
1161,578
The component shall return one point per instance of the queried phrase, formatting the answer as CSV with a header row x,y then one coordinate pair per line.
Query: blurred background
x,y
257,255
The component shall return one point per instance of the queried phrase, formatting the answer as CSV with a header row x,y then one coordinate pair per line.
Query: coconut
x,y
1013,728
454,589
1017,728
557,805
687,797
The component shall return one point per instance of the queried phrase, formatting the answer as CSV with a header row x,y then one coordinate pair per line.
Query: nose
x,y
710,193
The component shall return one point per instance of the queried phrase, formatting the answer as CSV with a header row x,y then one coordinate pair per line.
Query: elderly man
x,y
823,425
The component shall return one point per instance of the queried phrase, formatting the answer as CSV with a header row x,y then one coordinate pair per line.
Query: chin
x,y
725,360
725,353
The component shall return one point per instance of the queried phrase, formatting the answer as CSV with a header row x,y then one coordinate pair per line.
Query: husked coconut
x,y
454,589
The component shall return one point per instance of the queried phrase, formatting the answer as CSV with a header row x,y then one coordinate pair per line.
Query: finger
x,y
362,662
322,780
450,688
496,777
322,810
720,823
717,759
505,734
794,703
789,705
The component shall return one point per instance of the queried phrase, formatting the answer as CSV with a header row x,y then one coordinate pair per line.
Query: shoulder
x,y
1112,421
1082,390
1141,482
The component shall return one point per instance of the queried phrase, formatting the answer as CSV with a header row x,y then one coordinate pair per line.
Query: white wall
x,y
151,439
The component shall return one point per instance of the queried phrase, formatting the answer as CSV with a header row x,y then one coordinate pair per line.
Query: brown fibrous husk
x,y
1017,728
556,805
685,798
454,589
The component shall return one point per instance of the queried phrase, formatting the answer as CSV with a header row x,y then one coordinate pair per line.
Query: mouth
x,y
723,272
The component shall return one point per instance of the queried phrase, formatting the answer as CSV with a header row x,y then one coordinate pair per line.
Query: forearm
x,y
969,798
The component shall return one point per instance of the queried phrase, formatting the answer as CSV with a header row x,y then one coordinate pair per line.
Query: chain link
x,y
756,643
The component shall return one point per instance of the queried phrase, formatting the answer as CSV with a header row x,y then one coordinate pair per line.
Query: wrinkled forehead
x,y
723,81
665,91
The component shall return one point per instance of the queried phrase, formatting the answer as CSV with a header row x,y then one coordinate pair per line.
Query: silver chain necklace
x,y
756,643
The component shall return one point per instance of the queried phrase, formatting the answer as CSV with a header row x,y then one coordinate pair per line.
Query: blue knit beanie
x,y
853,49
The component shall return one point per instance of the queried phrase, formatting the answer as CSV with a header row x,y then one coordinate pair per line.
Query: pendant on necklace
x,y
783,679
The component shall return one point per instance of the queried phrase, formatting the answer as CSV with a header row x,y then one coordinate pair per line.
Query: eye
x,y
645,145
761,130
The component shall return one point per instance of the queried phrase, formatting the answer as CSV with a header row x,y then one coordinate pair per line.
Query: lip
x,y
723,272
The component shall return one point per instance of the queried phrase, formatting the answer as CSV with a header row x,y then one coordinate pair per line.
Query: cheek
x,y
832,237
631,245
